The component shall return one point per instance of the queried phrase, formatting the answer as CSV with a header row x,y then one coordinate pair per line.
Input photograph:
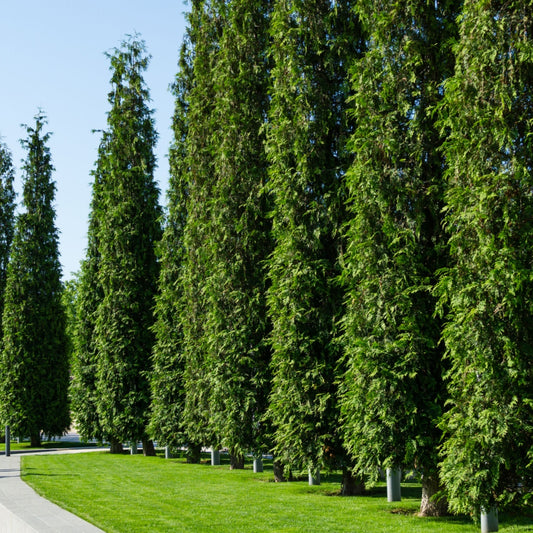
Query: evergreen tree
x,y
34,365
7,216
69,299
127,229
488,112
167,384
206,24
305,148
90,294
239,237
392,392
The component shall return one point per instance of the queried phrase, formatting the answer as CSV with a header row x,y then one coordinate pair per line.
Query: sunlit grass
x,y
123,493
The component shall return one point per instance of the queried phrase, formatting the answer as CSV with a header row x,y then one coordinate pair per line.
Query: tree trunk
x,y
35,440
350,485
279,475
148,447
236,462
194,453
431,506
115,447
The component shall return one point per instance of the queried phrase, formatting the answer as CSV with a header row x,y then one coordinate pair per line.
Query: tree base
x,y
116,447
236,462
194,453
279,475
350,485
35,440
430,504
148,448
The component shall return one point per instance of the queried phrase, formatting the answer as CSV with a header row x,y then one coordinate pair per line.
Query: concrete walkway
x,y
22,510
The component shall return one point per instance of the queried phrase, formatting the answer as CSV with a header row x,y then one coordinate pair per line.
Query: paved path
x,y
22,510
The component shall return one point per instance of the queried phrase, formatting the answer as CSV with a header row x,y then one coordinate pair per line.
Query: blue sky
x,y
52,57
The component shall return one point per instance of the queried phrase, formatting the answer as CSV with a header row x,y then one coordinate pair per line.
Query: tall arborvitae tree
x,y
128,228
7,216
84,364
239,235
393,392
34,366
69,298
488,112
304,147
168,397
206,25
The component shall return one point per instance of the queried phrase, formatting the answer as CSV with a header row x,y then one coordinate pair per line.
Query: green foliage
x,y
167,386
69,299
7,216
239,232
205,22
90,294
305,136
127,229
392,392
488,287
34,364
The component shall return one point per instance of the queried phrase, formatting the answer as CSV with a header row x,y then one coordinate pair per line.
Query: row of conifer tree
x,y
343,273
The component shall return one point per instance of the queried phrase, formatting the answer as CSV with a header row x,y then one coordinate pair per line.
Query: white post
x,y
489,520
215,457
394,490
314,477
167,452
258,465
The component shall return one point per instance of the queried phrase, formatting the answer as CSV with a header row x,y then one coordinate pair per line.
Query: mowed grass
x,y
124,493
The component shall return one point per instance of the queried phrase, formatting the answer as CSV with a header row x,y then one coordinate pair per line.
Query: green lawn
x,y
123,493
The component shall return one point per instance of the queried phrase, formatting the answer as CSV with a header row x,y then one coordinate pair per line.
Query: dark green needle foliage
x,y
90,294
239,238
166,424
305,148
205,22
34,366
128,227
488,112
70,299
7,215
392,390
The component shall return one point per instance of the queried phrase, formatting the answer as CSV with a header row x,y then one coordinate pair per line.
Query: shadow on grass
x,y
67,444
35,474
31,472
409,492
517,518
47,449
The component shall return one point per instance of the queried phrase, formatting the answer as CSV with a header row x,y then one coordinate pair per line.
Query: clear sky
x,y
52,57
